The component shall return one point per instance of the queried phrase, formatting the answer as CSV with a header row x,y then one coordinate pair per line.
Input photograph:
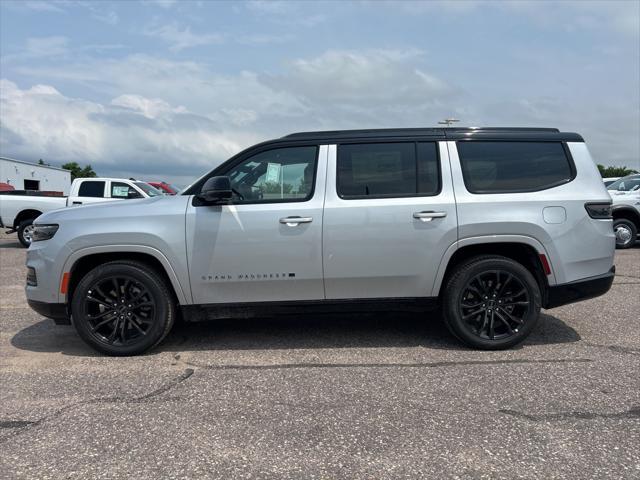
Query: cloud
x,y
46,46
145,136
42,6
180,38
161,3
173,119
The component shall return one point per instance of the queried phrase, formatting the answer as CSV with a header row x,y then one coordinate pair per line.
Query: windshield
x,y
148,189
626,184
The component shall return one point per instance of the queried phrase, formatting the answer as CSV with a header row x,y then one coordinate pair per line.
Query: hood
x,y
112,209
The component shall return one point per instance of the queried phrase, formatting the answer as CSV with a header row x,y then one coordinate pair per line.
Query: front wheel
x,y
122,308
626,232
25,230
491,302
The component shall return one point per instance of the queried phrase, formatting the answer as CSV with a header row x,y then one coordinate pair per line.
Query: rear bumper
x,y
56,311
579,290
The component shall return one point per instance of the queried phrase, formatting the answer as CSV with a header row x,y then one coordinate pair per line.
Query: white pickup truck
x,y
17,212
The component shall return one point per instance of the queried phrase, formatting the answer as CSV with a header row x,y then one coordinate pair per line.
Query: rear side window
x,y
388,170
511,167
91,189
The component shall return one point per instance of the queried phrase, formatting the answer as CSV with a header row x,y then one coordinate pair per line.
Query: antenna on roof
x,y
448,121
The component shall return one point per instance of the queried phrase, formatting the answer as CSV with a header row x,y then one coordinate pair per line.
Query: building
x,y
31,176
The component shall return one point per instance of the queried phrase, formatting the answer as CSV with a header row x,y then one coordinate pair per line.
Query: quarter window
x,y
89,188
281,174
511,167
388,170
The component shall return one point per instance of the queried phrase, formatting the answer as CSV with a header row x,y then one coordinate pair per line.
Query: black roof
x,y
449,133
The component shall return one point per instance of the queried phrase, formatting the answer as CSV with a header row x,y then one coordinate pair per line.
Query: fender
x,y
157,254
532,242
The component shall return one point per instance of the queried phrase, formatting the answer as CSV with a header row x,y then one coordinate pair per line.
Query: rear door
x,y
389,217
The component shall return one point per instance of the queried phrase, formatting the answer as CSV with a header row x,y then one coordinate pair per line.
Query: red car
x,y
165,187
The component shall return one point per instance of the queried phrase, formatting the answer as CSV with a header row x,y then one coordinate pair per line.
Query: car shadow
x,y
375,330
15,244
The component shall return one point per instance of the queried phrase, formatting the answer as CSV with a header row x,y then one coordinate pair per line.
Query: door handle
x,y
428,216
293,221
77,203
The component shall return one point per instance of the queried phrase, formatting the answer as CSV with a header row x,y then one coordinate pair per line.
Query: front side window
x,y
511,167
401,169
281,174
90,188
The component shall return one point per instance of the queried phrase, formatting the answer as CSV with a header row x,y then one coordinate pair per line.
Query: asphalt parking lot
x,y
384,395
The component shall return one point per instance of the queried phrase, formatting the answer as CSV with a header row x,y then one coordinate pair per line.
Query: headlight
x,y
43,232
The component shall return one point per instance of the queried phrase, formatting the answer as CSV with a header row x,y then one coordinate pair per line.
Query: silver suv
x,y
489,224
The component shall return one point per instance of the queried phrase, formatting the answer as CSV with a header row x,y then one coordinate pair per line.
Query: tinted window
x,y
626,184
148,189
388,170
275,175
91,189
501,167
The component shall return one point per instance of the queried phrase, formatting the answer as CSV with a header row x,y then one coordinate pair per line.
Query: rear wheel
x,y
25,230
626,232
491,302
123,308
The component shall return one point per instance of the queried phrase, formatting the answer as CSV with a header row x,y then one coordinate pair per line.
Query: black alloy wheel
x,y
119,310
491,302
122,308
494,304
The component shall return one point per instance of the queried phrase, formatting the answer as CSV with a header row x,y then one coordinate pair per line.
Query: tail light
x,y
601,211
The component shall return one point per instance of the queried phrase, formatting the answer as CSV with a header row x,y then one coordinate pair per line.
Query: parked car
x,y
489,224
165,187
5,187
17,211
609,180
625,194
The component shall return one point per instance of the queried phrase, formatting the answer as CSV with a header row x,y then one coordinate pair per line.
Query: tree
x,y
41,162
78,172
608,172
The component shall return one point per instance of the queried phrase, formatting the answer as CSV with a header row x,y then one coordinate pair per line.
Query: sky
x,y
167,90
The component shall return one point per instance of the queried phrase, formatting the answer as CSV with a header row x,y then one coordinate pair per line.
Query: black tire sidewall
x,y
456,285
632,227
21,227
156,288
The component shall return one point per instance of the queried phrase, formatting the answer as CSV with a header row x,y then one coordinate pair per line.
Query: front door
x,y
266,245
389,217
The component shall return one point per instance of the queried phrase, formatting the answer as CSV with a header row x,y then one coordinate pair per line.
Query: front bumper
x,y
56,311
579,290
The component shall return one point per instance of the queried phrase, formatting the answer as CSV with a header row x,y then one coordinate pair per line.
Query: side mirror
x,y
216,190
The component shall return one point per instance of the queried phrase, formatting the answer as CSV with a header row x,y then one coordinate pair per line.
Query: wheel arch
x,y
82,261
524,250
27,214
624,211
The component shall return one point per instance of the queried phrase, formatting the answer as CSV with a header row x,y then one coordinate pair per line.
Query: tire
x,y
480,320
626,233
24,233
128,321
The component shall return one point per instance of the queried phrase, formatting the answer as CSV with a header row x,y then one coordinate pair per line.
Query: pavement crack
x,y
284,366
633,413
15,423
616,348
168,386
21,425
